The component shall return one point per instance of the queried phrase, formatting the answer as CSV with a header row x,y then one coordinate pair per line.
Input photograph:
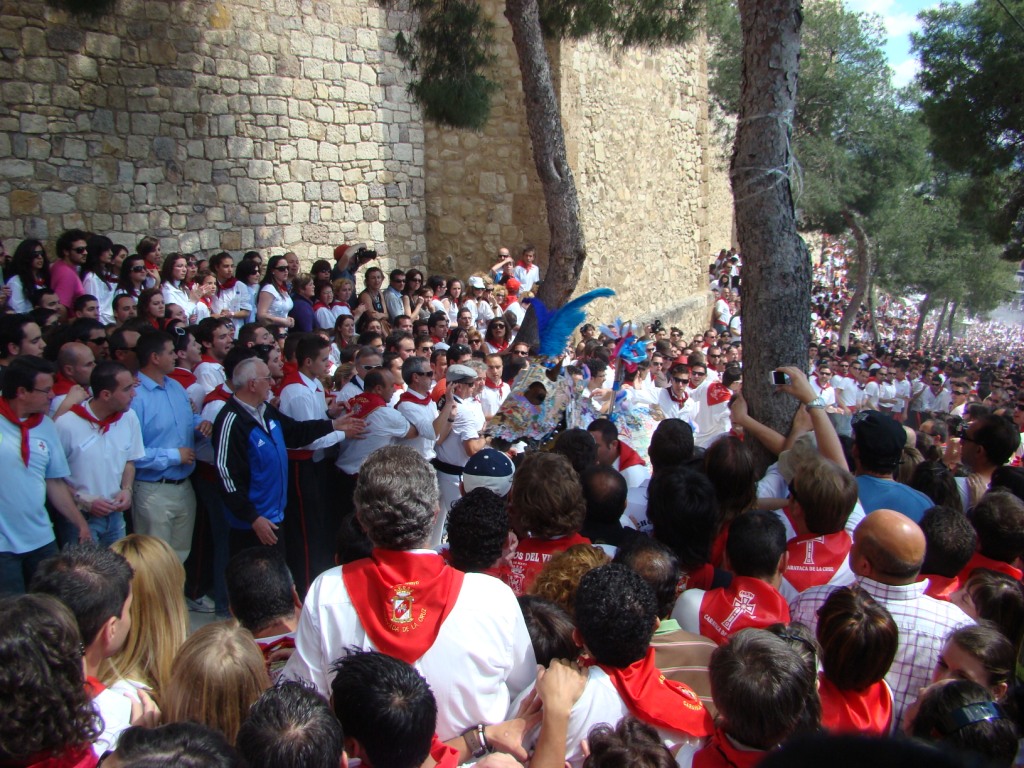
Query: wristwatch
x,y
476,741
818,402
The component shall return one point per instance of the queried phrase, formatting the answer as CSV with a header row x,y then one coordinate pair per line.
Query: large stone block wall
x,y
637,135
273,124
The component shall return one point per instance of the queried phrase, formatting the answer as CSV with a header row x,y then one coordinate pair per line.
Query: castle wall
x,y
268,124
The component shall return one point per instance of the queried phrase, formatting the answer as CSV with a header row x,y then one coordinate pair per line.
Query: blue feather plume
x,y
555,328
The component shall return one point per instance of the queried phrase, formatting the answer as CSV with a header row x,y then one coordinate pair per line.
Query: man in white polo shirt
x,y
102,439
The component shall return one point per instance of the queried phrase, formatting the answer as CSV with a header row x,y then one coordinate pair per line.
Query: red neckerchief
x,y
681,401
663,703
500,347
210,359
411,397
402,599
823,386
530,557
217,395
290,367
718,393
444,756
292,376
183,376
699,578
339,304
288,641
93,687
227,285
940,587
79,409
978,560
73,757
365,403
62,384
320,305
25,426
718,547
814,560
489,385
629,458
436,340
207,301
747,602
719,752
867,712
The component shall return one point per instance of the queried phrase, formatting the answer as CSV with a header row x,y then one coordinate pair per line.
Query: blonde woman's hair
x,y
217,675
158,613
561,575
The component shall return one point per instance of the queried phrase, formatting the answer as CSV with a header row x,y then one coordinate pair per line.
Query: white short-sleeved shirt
x,y
97,459
282,303
481,660
420,414
383,427
468,425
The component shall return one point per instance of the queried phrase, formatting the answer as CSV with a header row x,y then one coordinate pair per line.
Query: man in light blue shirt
x,y
34,466
877,451
164,502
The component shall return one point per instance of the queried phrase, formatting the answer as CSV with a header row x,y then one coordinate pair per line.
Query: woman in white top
x,y
31,272
274,302
453,301
172,283
98,277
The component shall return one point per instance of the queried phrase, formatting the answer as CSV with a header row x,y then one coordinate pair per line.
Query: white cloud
x,y
904,71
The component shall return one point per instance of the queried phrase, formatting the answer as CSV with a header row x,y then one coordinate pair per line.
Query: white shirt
x,y
481,660
528,277
282,303
306,402
828,394
97,459
94,285
209,376
600,703
673,410
234,299
420,414
383,427
469,423
491,399
174,294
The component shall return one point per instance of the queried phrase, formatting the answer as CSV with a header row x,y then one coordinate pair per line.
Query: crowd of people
x,y
396,586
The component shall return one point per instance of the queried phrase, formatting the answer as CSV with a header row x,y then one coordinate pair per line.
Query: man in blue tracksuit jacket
x,y
250,439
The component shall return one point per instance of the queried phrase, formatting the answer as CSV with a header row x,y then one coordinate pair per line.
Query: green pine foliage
x,y
452,47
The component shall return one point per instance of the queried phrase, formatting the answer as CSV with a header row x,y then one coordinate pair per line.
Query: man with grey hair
x,y
463,632
366,359
250,438
421,411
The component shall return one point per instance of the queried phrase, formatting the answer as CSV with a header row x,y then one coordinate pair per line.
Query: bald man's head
x,y
76,362
888,547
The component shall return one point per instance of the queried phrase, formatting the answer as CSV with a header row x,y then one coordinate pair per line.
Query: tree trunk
x,y
872,319
922,312
568,250
938,325
863,273
949,321
776,279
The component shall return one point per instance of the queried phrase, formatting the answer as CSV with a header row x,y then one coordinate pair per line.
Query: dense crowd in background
x,y
306,454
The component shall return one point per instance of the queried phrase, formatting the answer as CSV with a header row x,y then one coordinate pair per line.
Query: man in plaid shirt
x,y
886,556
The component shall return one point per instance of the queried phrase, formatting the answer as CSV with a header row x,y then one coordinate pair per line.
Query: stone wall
x,y
637,135
281,124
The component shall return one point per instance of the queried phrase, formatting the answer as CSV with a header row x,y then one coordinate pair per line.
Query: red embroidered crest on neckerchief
x,y
365,403
402,599
867,712
658,701
747,602
814,560
718,393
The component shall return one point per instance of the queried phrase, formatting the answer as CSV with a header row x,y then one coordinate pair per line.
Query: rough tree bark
x,y
568,249
949,321
922,311
938,325
872,318
863,273
776,264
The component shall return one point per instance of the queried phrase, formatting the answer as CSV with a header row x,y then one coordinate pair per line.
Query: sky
x,y
900,19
